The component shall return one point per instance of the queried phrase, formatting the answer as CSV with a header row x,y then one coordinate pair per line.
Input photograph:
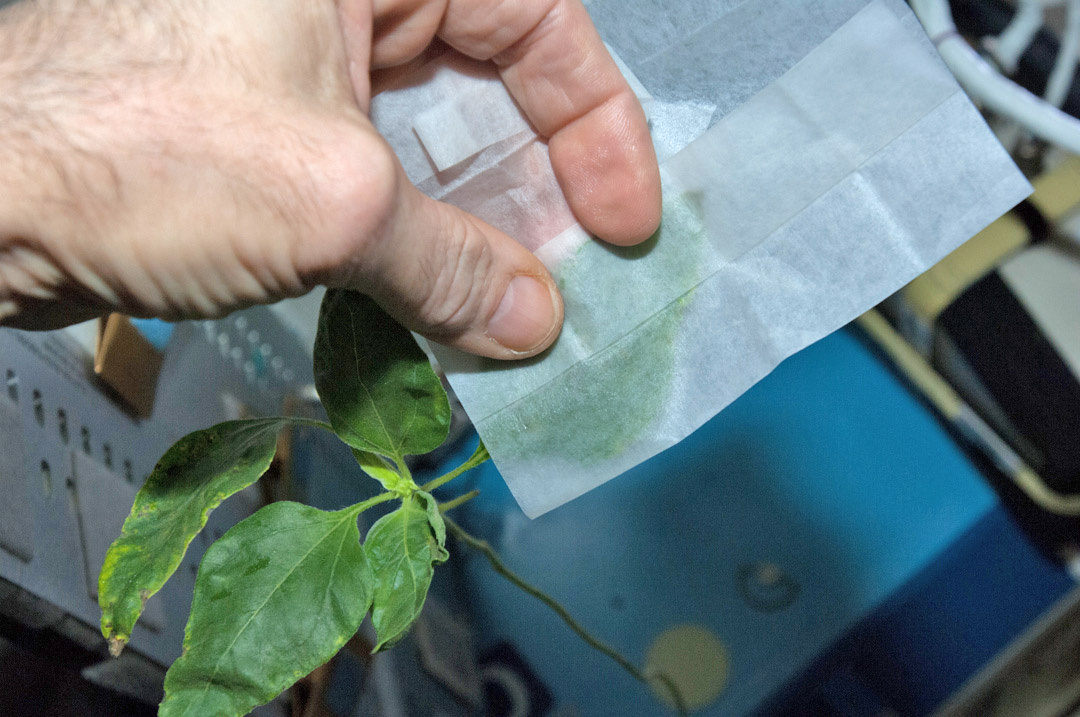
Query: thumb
x,y
457,280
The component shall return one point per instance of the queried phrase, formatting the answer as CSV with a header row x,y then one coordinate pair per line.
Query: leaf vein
x,y
255,613
359,378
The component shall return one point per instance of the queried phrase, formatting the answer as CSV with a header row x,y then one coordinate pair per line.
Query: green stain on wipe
x,y
597,408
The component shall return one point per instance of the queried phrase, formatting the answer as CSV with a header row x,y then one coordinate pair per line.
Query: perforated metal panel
x,y
16,518
71,458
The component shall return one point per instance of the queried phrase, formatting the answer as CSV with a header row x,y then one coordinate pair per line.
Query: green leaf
x,y
191,479
277,596
403,548
378,468
376,384
435,520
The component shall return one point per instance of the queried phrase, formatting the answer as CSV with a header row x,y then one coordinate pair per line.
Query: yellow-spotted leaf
x,y
191,479
403,548
277,596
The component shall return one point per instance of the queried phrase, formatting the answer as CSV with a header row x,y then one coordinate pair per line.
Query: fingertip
x,y
460,282
526,322
606,165
639,224
528,318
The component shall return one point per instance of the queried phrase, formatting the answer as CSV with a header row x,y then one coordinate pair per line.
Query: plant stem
x,y
500,567
311,422
480,455
451,504
380,498
403,470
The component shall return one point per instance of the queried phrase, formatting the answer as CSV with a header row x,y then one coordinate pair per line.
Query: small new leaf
x,y
277,596
377,386
435,520
403,548
378,468
191,479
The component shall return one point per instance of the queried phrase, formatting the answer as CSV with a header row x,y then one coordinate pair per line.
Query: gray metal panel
x,y
212,370
16,519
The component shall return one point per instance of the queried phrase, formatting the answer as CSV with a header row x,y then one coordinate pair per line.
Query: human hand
x,y
184,159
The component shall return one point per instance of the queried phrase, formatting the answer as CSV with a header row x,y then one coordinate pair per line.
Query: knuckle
x,y
457,278
490,27
357,191
361,181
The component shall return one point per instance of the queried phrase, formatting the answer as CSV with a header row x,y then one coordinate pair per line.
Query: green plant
x,y
282,591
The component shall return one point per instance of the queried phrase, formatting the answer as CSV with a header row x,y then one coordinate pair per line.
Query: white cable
x,y
1017,35
985,85
1061,77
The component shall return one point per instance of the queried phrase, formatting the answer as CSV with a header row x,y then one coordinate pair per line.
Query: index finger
x,y
557,68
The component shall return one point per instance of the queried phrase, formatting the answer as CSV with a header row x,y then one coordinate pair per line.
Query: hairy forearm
x,y
24,273
104,165
41,161
185,158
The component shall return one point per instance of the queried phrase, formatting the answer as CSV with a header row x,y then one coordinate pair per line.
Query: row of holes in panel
x,y
255,358
64,431
12,385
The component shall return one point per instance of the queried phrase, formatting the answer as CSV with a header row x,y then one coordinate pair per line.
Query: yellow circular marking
x,y
694,660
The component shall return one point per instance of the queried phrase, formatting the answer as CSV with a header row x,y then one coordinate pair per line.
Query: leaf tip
x,y
116,645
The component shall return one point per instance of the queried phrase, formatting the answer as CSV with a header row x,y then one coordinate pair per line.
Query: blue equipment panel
x,y
781,524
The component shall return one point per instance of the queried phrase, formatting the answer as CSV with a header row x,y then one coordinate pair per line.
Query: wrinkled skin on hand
x,y
186,158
